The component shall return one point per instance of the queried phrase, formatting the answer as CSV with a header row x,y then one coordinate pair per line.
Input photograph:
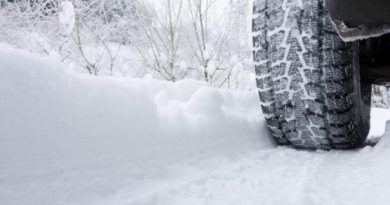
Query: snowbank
x,y
64,112
51,117
68,138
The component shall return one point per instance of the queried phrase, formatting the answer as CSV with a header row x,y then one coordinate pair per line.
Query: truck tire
x,y
308,79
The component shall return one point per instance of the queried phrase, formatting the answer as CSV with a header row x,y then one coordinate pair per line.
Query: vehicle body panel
x,y
355,13
360,19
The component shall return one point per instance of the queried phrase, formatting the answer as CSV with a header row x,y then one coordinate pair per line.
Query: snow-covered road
x,y
71,139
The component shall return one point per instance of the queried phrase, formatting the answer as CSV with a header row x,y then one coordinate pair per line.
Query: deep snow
x,y
68,138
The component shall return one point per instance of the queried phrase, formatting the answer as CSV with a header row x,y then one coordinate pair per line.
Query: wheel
x,y
308,79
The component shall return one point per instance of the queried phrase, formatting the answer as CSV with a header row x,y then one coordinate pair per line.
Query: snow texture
x,y
72,139
67,17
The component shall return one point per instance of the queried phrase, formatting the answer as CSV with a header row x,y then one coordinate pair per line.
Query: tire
x,y
308,79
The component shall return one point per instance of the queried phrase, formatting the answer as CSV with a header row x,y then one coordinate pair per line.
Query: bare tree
x,y
99,20
199,14
160,31
215,31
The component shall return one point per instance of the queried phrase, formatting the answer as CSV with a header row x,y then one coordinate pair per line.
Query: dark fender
x,y
355,18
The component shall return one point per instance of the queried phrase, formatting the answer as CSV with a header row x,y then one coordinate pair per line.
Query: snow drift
x,y
68,138
48,114
41,101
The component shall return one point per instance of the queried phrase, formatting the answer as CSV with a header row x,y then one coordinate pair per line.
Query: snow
x,y
72,139
66,16
378,119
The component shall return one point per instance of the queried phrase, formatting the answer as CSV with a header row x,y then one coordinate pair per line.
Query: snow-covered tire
x,y
308,79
